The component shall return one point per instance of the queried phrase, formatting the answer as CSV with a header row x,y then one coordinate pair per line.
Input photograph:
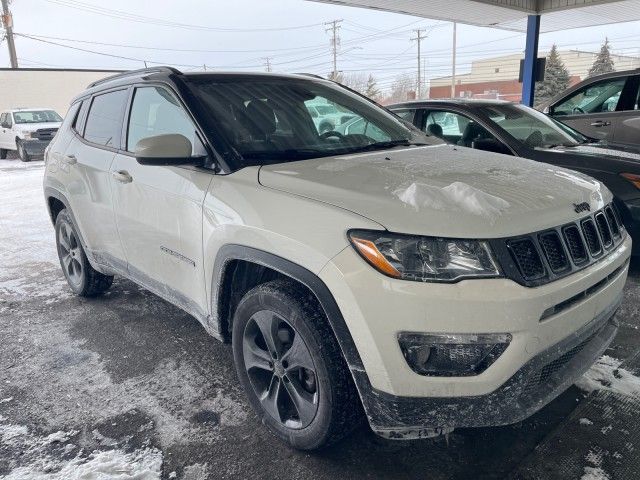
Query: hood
x,y
600,150
32,127
442,190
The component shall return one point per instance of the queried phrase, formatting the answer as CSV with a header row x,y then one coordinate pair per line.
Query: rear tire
x,y
307,407
22,152
83,279
3,154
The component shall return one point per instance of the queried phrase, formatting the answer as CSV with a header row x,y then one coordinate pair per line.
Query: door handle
x,y
122,176
600,123
70,159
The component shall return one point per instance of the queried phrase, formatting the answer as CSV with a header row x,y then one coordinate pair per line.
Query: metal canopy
x,y
511,14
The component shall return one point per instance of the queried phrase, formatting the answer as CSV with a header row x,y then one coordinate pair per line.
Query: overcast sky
x,y
239,34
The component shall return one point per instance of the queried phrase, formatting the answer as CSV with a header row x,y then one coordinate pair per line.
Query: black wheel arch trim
x,y
232,252
50,192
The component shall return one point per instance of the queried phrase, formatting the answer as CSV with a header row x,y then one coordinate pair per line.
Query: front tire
x,y
3,154
292,368
22,152
83,279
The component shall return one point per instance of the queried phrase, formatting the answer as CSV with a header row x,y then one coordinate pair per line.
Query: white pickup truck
x,y
27,130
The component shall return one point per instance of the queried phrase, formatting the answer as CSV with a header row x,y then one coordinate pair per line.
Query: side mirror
x,y
168,149
5,125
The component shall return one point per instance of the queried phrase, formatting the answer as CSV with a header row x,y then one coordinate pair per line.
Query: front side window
x,y
155,111
36,116
104,122
595,98
271,120
531,127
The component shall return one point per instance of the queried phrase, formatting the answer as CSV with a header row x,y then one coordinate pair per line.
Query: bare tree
x,y
356,80
402,86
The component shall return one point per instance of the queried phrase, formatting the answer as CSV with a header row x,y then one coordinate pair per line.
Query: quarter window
x,y
104,121
155,111
594,98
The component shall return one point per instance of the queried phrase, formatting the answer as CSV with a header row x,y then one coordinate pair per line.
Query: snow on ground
x,y
606,374
594,470
26,236
46,463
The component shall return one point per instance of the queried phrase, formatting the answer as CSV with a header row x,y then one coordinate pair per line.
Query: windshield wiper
x,y
387,145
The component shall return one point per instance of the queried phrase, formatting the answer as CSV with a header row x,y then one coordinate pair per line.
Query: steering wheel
x,y
331,133
577,110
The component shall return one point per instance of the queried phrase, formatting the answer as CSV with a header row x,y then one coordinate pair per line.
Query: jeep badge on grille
x,y
582,207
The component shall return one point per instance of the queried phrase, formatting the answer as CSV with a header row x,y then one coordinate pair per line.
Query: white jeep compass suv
x,y
430,286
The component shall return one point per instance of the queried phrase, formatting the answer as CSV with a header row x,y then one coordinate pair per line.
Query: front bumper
x,y
399,401
35,147
538,382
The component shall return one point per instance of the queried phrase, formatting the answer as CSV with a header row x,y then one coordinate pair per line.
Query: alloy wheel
x,y
70,253
280,369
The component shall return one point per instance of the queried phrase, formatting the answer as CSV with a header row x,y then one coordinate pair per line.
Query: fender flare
x,y
231,252
50,192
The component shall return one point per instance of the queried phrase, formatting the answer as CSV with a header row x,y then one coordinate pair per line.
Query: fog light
x,y
455,355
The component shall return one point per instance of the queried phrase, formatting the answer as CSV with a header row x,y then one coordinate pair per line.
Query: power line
x,y
127,16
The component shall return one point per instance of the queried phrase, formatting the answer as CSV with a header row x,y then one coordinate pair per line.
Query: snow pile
x,y
44,456
456,196
143,464
606,374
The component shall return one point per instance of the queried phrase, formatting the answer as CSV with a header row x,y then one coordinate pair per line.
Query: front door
x,y
592,109
159,208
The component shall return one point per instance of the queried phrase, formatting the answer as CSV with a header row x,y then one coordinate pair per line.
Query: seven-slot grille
x,y
545,256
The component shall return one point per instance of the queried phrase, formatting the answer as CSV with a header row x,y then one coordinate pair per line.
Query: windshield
x,y
271,120
531,127
36,116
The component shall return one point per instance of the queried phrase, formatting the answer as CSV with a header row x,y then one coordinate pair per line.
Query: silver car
x,y
604,107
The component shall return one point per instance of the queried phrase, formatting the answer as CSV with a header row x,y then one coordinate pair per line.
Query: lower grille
x,y
546,372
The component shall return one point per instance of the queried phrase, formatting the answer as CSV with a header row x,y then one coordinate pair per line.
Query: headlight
x,y
425,259
28,135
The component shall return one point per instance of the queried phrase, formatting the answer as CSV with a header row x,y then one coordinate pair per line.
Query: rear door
x,y
85,164
159,208
594,108
627,123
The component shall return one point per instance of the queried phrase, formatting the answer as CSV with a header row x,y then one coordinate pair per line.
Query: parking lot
x,y
128,379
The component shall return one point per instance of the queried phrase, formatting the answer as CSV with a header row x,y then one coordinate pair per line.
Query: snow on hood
x,y
455,197
442,190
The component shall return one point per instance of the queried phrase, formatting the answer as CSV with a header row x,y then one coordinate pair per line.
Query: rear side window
x,y
104,122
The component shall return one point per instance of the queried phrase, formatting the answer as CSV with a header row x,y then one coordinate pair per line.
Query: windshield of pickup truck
x,y
36,116
531,127
270,120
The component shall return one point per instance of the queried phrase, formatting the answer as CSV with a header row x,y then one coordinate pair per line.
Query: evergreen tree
x,y
556,78
372,91
603,62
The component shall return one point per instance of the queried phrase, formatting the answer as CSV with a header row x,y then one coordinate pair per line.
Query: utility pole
x,y
419,37
7,22
334,27
453,64
267,63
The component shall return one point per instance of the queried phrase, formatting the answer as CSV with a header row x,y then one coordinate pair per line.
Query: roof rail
x,y
136,72
313,75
